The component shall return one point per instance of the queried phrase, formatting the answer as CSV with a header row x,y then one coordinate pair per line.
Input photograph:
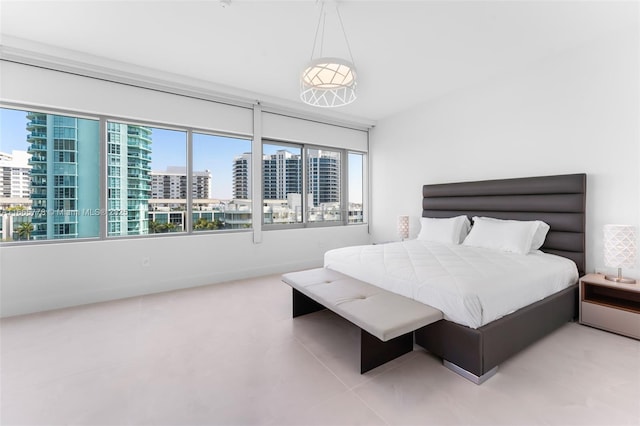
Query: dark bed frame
x,y
557,200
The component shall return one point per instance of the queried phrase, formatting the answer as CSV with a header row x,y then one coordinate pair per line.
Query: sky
x,y
13,132
210,152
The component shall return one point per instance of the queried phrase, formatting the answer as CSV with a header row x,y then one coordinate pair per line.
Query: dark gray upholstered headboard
x,y
557,200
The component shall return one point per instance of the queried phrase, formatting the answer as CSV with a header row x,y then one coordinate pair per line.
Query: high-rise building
x,y
242,177
64,175
282,175
15,174
201,185
128,179
323,169
172,184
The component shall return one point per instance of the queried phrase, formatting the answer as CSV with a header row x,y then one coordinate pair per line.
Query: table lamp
x,y
403,227
620,250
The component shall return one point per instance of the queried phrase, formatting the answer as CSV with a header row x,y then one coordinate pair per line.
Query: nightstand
x,y
609,305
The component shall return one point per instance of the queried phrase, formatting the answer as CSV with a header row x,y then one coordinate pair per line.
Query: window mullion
x,y
103,204
305,186
344,186
188,215
256,184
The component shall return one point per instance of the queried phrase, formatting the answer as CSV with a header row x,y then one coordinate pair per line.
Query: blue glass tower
x,y
65,176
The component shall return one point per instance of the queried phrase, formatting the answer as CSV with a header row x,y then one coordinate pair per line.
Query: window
x,y
282,183
221,182
146,175
57,159
325,184
141,182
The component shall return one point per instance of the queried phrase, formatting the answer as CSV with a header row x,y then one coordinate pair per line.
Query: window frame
x,y
104,177
303,202
365,186
77,115
103,186
344,186
190,172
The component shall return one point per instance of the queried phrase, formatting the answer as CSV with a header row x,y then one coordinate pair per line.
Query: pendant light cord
x,y
315,39
322,19
345,34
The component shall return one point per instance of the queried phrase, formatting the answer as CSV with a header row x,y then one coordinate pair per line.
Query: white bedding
x,y
472,286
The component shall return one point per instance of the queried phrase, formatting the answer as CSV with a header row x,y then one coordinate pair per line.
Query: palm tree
x,y
201,223
154,227
24,230
168,227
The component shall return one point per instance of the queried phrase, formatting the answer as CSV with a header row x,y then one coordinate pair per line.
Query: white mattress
x,y
471,286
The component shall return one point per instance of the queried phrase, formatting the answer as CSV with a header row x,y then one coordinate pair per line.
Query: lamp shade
x,y
328,82
403,227
620,246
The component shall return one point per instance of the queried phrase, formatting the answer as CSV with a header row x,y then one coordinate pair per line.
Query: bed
x,y
475,349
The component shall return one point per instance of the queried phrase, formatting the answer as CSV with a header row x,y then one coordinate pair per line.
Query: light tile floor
x,y
230,354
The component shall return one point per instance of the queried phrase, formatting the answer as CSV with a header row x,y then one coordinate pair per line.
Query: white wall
x,y
48,276
575,112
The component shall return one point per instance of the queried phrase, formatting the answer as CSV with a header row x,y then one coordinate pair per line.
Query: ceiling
x,y
406,52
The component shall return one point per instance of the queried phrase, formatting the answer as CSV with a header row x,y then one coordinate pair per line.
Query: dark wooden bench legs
x,y
303,304
373,351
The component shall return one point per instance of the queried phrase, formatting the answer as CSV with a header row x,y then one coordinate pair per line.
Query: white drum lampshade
x,y
403,227
620,250
328,82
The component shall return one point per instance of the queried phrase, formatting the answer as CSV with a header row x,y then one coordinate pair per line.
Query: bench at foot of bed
x,y
386,320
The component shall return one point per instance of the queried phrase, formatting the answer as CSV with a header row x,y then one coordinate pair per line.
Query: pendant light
x,y
328,82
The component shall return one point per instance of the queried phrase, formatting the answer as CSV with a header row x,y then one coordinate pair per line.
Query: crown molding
x,y
26,52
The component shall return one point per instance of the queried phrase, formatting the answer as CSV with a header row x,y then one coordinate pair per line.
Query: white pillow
x,y
449,230
539,236
516,236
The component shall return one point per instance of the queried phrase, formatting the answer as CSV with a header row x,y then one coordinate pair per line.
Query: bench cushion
x,y
381,313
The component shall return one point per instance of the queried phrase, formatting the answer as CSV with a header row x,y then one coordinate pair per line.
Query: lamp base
x,y
619,279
